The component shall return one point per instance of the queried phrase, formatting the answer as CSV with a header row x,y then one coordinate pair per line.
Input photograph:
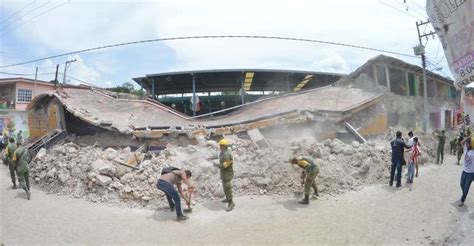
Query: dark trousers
x,y
171,194
12,168
396,166
24,180
466,180
440,153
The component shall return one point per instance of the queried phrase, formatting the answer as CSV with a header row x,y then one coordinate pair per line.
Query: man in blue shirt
x,y
398,147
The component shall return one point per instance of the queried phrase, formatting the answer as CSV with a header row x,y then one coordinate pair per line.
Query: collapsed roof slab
x,y
324,99
147,119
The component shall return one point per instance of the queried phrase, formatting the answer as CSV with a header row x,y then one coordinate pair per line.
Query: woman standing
x,y
467,175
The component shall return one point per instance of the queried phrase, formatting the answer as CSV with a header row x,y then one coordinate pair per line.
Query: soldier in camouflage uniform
x,y
10,150
21,157
226,163
311,170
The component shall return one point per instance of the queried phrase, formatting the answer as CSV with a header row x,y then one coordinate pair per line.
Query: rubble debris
x,y
93,173
257,137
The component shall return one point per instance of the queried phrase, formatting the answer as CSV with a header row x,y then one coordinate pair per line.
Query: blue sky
x,y
36,29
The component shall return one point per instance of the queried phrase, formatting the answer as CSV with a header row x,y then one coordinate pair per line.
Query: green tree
x,y
126,87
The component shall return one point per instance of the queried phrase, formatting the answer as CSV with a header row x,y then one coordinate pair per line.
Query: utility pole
x,y
65,69
56,76
420,50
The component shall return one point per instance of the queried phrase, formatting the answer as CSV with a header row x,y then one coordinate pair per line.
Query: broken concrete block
x,y
103,180
71,150
121,170
127,189
91,175
41,153
141,177
318,153
137,194
76,172
42,174
365,169
117,185
146,198
51,173
355,144
63,177
126,178
104,168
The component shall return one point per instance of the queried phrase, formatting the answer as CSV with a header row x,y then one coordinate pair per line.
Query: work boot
x,y
182,217
28,194
230,206
225,200
305,200
172,208
14,186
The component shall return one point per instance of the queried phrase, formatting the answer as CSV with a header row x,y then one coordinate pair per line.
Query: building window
x,y
398,83
381,75
24,95
453,94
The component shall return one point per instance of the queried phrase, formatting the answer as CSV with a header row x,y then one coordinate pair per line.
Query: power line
x,y
36,16
16,12
407,9
399,10
25,74
27,13
421,7
79,80
209,37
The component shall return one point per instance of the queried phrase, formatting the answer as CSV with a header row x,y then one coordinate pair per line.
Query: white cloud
x,y
86,24
334,63
82,71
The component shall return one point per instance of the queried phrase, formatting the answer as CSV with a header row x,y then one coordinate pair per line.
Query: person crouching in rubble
x,y
166,184
311,171
226,165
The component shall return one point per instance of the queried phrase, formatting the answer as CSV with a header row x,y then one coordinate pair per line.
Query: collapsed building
x,y
345,126
383,92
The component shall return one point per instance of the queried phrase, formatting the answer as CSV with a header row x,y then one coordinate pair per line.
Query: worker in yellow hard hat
x,y
311,171
226,163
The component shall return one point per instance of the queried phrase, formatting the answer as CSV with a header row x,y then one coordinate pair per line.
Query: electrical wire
x,y
16,12
36,16
421,7
399,10
407,6
25,74
208,37
78,80
27,13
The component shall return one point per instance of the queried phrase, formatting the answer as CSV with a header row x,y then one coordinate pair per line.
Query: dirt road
x,y
424,213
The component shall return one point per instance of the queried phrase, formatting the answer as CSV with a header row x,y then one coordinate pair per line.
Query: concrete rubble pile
x,y
93,174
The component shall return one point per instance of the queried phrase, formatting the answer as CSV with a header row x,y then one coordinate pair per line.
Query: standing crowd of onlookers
x,y
461,146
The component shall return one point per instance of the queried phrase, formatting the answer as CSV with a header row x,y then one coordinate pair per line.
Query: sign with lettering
x,y
453,21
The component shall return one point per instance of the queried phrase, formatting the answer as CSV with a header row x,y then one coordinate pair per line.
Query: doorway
x,y
447,119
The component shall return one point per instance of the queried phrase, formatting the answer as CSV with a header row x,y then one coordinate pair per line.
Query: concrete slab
x,y
126,115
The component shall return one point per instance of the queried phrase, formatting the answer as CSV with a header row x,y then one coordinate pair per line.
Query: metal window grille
x,y
24,95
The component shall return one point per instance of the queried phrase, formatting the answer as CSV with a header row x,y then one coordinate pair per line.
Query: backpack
x,y
169,169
